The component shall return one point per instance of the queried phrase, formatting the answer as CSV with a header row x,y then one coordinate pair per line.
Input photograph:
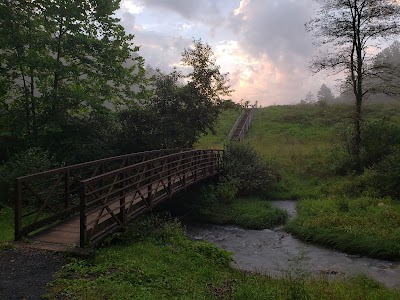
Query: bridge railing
x,y
234,127
246,124
109,201
48,197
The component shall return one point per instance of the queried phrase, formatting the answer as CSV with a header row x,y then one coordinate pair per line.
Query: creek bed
x,y
276,252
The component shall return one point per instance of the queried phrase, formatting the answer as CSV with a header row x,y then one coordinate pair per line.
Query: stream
x,y
276,252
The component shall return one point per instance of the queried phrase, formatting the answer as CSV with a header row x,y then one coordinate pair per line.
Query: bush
x,y
385,175
31,161
226,190
378,140
245,167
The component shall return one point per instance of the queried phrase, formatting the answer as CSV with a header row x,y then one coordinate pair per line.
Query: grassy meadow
x,y
336,210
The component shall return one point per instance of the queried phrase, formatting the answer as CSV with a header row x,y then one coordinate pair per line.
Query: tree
x,y
309,98
181,107
387,71
325,94
350,28
206,76
62,61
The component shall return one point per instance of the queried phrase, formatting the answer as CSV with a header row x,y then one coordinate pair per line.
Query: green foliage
x,y
64,65
226,190
363,226
206,77
251,173
216,140
384,177
6,225
378,140
174,117
33,160
251,213
183,269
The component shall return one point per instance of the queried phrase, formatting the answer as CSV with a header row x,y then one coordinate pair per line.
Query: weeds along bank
x,y
154,260
357,213
308,147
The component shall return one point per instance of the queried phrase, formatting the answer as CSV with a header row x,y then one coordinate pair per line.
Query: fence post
x,y
18,210
67,189
122,210
169,179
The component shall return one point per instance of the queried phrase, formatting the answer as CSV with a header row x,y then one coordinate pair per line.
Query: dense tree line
x,y
73,87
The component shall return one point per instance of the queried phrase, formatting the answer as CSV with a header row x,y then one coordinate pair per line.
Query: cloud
x,y
207,11
261,43
274,28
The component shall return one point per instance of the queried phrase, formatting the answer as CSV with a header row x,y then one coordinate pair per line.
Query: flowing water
x,y
276,252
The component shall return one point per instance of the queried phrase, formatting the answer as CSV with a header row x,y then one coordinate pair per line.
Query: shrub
x,y
378,140
27,162
226,190
385,175
244,166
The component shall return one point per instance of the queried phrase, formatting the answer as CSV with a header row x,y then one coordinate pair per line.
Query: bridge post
x,y
169,186
122,209
67,189
150,195
82,223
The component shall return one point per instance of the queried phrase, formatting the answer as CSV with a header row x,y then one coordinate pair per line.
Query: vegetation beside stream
x,y
307,145
155,260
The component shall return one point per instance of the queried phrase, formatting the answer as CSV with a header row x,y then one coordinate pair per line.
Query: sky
x,y
261,43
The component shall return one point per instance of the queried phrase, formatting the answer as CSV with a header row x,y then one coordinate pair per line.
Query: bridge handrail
x,y
235,125
109,201
62,184
246,124
98,161
128,168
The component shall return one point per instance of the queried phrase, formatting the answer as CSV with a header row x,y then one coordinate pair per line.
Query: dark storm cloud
x,y
275,28
204,11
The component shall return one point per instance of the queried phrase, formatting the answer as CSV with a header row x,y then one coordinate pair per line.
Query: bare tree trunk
x,y
26,102
33,107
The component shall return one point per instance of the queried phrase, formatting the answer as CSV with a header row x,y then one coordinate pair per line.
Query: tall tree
x,y
206,76
63,59
346,30
325,94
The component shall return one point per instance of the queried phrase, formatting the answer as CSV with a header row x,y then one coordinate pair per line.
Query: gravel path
x,y
24,272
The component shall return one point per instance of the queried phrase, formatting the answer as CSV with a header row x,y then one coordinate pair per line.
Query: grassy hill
x,y
356,213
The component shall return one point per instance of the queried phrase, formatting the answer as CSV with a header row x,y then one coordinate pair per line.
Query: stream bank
x,y
276,252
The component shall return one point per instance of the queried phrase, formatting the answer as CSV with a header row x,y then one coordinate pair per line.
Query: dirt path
x,y
24,272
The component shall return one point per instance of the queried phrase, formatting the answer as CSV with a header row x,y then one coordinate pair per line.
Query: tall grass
x,y
362,226
154,260
251,213
6,224
216,141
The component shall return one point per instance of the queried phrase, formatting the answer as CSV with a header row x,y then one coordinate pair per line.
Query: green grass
x,y
363,226
6,228
250,213
302,141
154,260
6,224
224,124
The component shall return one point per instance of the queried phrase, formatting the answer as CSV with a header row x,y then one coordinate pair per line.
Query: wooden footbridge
x,y
80,205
